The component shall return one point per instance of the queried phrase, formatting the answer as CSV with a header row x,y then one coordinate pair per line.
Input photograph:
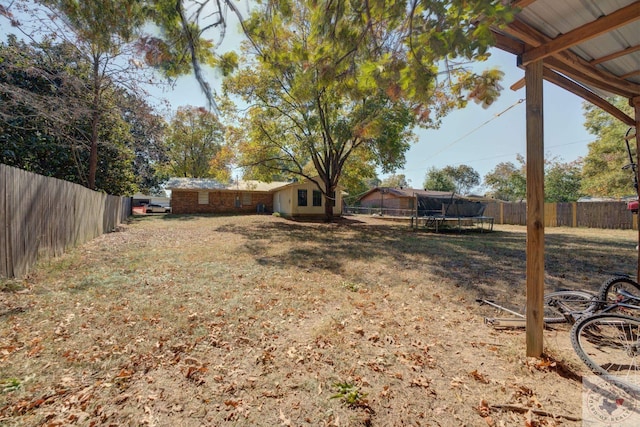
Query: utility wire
x,y
470,162
582,141
519,101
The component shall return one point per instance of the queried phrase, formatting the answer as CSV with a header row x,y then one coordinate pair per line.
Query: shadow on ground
x,y
572,261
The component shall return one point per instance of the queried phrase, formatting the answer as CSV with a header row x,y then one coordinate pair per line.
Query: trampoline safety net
x,y
449,206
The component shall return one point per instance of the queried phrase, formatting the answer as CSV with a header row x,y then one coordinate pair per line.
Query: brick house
x,y
201,195
290,199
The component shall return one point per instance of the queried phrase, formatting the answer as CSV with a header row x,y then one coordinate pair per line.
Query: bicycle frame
x,y
623,302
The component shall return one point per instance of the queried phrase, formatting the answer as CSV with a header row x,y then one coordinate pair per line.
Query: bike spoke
x,y
610,346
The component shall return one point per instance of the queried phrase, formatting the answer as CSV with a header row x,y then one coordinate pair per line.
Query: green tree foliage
x,y
464,177
507,181
189,33
101,30
35,78
359,176
147,131
395,181
602,173
460,179
45,125
562,181
196,147
438,180
327,81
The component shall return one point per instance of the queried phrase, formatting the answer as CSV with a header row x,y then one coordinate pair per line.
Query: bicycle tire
x,y
608,295
609,345
580,303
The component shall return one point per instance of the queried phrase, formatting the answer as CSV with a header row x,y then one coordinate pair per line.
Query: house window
x,y
203,197
302,197
238,203
317,198
246,199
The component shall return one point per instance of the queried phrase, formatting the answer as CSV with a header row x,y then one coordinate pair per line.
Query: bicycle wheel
x,y
608,295
574,303
609,345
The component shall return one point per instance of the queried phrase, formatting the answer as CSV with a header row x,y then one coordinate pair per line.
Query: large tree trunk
x,y
328,203
328,209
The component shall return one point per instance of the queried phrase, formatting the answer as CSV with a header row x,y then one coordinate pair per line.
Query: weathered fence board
x,y
41,217
608,215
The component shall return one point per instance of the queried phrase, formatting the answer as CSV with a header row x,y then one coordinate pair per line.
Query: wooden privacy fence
x,y
41,216
610,215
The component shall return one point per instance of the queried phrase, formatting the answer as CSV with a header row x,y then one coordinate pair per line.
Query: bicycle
x,y
618,294
559,307
609,342
605,340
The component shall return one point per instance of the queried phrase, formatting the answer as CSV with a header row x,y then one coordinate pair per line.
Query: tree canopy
x,y
438,180
196,148
562,181
45,121
327,83
460,179
602,173
507,181
397,181
463,176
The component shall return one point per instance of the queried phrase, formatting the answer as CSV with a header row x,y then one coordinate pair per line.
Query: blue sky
x,y
480,138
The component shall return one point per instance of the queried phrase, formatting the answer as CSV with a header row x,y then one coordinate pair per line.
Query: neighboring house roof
x,y
305,181
407,192
212,184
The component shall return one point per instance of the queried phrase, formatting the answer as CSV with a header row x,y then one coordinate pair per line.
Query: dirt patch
x,y
256,320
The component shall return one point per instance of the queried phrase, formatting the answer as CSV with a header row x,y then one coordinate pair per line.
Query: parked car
x,y
154,208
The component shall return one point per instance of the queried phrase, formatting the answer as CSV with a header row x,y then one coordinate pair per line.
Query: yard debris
x,y
525,410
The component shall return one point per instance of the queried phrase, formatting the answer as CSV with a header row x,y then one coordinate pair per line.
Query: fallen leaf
x,y
483,408
421,382
479,377
122,398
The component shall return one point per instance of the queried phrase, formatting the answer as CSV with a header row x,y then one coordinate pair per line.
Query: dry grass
x,y
256,320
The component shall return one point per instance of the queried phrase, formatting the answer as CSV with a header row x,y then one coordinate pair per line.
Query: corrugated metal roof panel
x,y
555,18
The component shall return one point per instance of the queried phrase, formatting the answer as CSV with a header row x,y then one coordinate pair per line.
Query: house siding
x,y
219,201
286,201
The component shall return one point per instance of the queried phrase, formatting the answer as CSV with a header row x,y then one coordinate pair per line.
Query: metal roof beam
x,y
588,31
